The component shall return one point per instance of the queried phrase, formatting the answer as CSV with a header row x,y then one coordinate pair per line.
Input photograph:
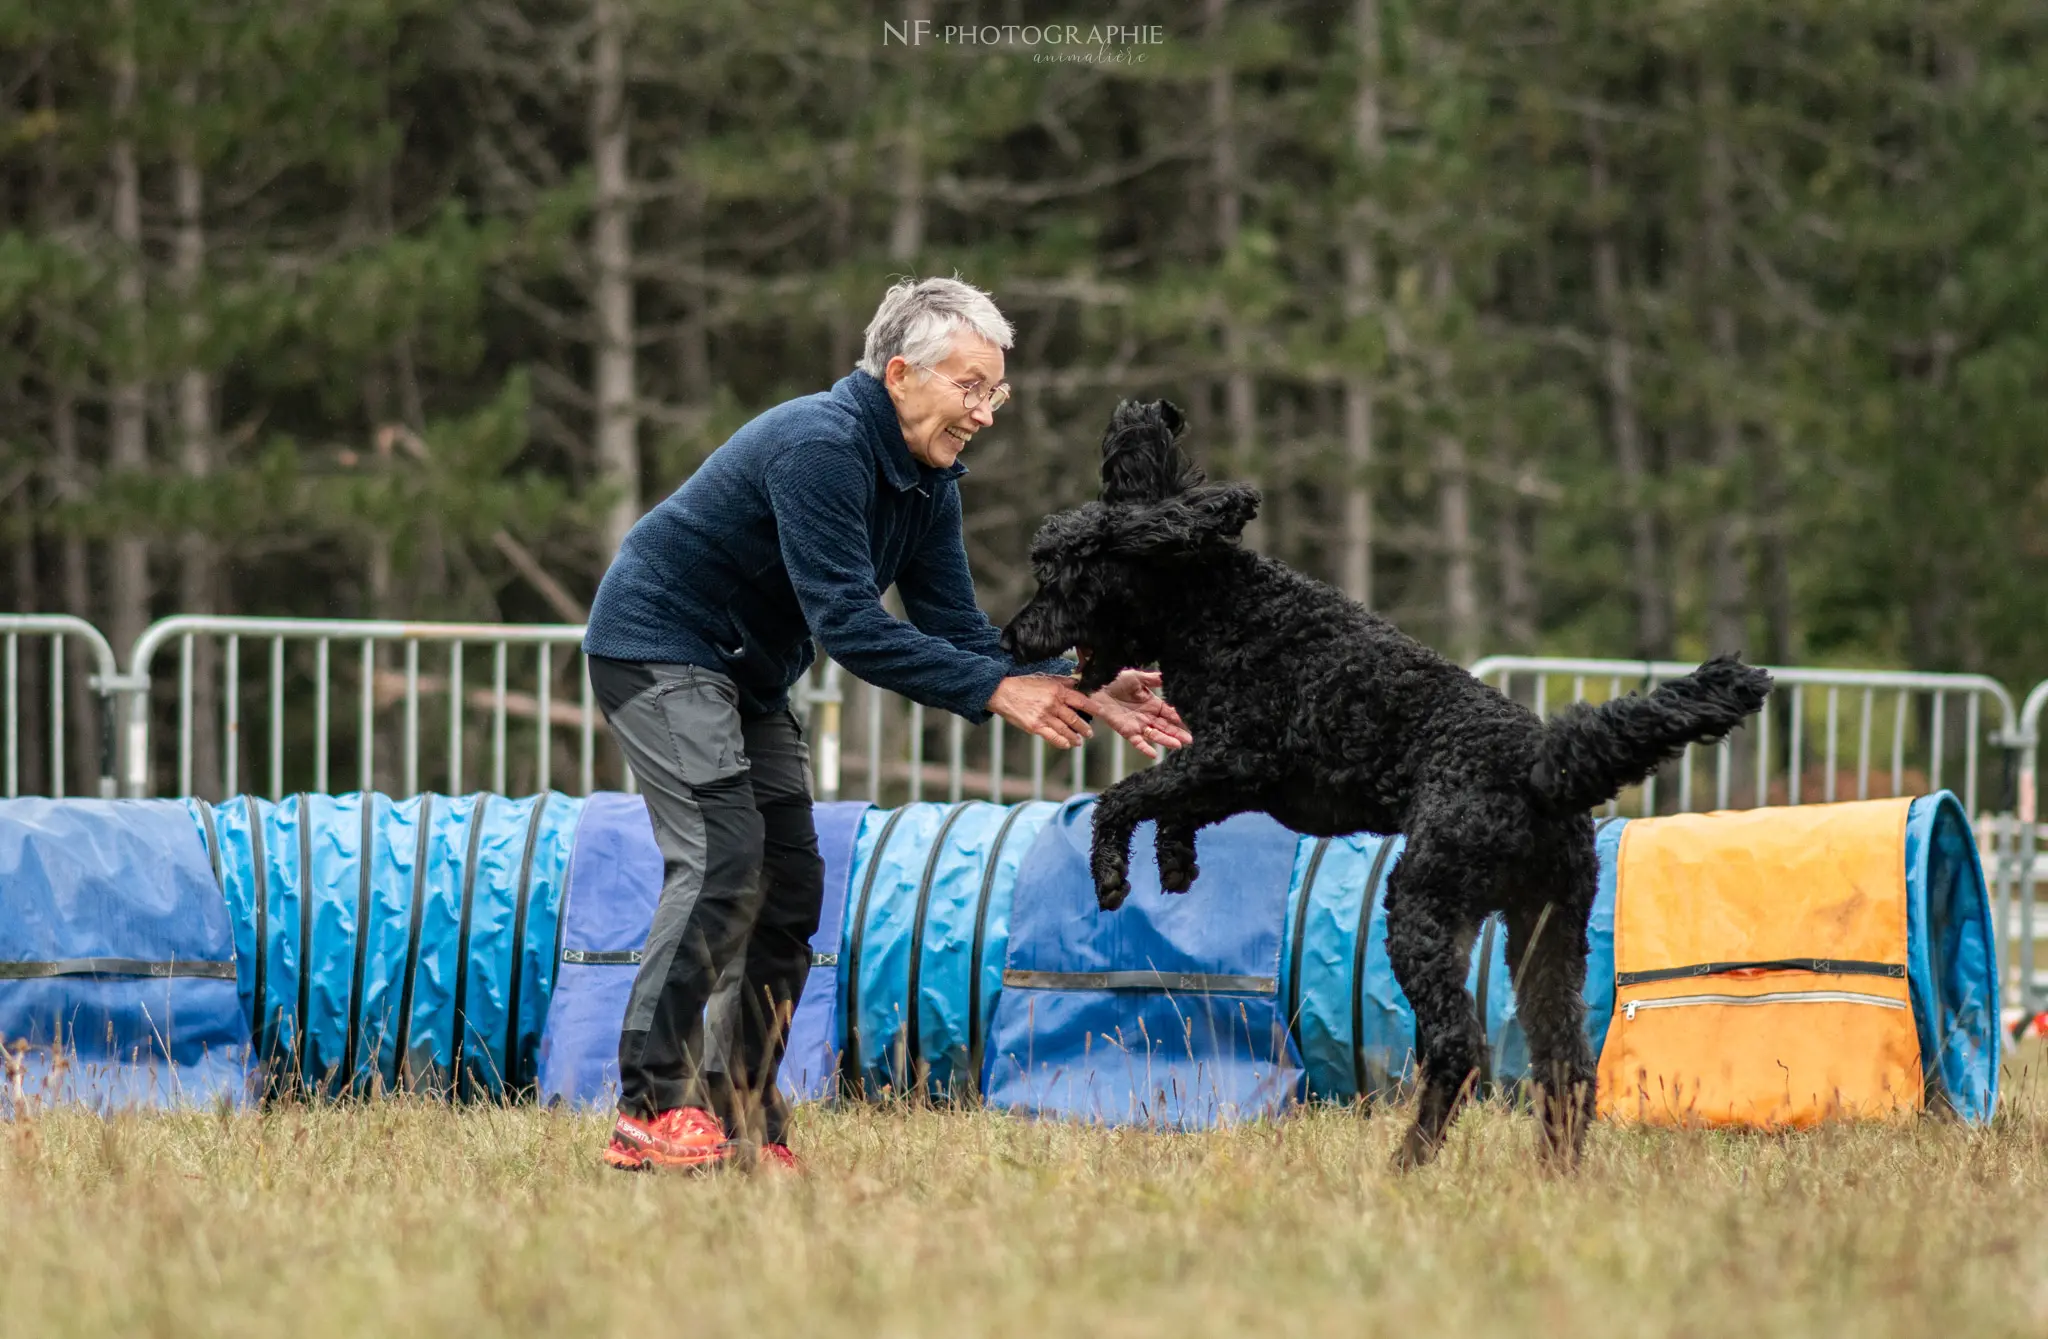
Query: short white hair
x,y
919,318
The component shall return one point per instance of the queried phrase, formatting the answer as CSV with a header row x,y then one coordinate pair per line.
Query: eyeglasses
x,y
974,397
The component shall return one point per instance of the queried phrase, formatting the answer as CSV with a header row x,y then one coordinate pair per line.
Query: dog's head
x,y
1107,574
1141,456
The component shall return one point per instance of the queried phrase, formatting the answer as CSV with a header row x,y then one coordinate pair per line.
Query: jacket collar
x,y
885,435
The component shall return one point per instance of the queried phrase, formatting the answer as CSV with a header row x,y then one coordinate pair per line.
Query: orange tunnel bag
x,y
1760,967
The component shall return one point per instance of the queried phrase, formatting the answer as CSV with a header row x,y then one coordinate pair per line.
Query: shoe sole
x,y
636,1160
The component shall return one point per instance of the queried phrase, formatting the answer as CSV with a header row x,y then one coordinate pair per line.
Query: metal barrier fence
x,y
2029,862
73,701
261,704
1914,741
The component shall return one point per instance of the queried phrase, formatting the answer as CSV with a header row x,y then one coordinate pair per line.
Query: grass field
x,y
399,1218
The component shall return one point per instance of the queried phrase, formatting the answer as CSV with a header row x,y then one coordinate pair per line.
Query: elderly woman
x,y
788,534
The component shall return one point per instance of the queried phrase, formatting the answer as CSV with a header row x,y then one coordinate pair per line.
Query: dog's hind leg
x,y
1547,956
1429,940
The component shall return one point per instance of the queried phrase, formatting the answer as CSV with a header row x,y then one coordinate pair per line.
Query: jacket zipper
x,y
1628,1011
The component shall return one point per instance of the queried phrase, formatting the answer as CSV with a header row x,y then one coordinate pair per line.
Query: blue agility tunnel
x,y
117,959
927,927
482,947
395,944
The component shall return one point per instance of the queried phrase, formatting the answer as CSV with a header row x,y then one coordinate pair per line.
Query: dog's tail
x,y
1589,753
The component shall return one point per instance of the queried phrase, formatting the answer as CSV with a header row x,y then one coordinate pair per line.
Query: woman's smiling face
x,y
932,410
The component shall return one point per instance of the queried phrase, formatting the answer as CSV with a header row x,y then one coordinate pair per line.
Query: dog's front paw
x,y
1177,869
1111,890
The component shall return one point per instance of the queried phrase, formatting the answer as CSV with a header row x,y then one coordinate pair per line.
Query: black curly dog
x,y
1309,707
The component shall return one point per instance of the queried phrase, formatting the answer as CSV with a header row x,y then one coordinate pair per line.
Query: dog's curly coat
x,y
1309,707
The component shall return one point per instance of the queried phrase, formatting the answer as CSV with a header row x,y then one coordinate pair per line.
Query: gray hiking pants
x,y
730,799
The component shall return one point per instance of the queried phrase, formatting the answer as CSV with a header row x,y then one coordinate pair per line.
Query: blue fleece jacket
x,y
792,530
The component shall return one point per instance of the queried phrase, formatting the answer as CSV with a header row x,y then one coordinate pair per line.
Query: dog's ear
x,y
1141,456
1207,515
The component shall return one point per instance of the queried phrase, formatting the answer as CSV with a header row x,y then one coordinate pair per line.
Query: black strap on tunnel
x,y
402,1044
460,1044
305,934
212,842
1823,966
259,861
355,988
515,1079
1301,901
913,1049
849,1059
988,883
1360,1079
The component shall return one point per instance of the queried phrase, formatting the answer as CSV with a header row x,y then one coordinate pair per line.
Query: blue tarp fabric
x,y
1165,1012
116,958
615,880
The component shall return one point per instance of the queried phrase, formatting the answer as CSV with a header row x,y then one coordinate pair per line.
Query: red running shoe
x,y
679,1137
779,1158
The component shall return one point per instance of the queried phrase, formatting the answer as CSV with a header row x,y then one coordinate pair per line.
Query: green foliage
x,y
1820,221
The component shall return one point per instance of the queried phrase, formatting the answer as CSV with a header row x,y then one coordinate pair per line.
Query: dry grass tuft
x,y
398,1218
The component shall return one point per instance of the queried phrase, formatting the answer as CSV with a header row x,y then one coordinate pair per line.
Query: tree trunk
x,y
906,225
618,451
1240,391
1453,496
1728,585
1517,617
81,705
1653,627
31,689
1360,291
128,590
198,566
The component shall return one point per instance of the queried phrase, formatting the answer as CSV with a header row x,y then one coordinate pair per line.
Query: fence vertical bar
x,y
1940,722
366,726
956,757
874,700
1542,693
1971,721
455,718
411,780
916,752
1794,743
276,718
1863,748
1078,769
1685,780
1037,767
499,654
1834,715
1116,758
13,723
544,720
1763,755
320,716
1898,744
586,737
185,715
995,761
231,761
57,716
1724,769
